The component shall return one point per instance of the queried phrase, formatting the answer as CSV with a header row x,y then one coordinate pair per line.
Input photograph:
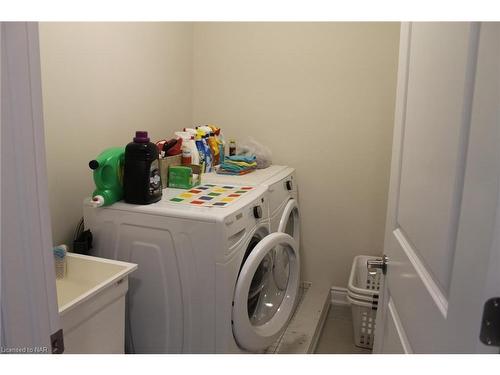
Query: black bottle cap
x,y
93,164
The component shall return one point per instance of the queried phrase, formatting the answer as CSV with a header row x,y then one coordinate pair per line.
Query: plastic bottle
x,y
219,144
195,155
232,147
214,148
186,156
108,173
208,154
222,146
141,172
188,140
201,151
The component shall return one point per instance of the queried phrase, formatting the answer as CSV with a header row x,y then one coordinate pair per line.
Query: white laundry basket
x,y
362,293
363,322
360,281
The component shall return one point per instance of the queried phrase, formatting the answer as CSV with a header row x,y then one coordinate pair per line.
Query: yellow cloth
x,y
241,163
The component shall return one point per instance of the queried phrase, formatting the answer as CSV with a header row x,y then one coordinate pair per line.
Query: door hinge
x,y
490,325
57,342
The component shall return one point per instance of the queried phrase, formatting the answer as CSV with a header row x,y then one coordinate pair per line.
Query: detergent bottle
x,y
222,145
214,146
189,142
208,154
205,148
201,151
219,144
108,173
141,172
232,147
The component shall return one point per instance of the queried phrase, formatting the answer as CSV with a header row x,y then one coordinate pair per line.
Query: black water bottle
x,y
141,172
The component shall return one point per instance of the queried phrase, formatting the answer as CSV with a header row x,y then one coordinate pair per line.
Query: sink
x,y
91,301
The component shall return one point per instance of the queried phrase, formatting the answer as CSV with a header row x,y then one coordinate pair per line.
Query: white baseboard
x,y
338,296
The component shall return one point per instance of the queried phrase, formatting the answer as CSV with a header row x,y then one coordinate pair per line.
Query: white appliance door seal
x,y
290,220
256,322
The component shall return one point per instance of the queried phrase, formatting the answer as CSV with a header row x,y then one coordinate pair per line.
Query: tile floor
x,y
337,336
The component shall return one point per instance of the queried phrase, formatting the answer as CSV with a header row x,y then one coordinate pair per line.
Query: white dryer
x,y
282,192
205,281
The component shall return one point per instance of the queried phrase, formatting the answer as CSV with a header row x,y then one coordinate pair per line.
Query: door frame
x,y
29,310
482,157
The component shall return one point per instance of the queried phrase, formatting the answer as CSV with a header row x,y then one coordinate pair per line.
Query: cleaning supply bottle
x,y
141,172
222,145
189,142
214,148
108,173
219,158
201,151
208,154
232,147
195,155
186,158
191,131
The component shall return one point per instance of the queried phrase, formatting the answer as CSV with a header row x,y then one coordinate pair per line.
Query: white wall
x,y
101,82
321,96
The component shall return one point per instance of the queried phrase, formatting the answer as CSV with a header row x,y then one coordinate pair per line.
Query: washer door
x,y
289,224
261,309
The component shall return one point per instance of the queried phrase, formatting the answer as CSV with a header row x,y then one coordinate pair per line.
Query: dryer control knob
x,y
257,212
289,185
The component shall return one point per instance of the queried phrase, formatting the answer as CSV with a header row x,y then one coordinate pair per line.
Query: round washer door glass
x,y
290,220
262,308
290,224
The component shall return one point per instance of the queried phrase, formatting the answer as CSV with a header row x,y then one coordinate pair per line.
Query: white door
x,y
442,227
262,308
29,311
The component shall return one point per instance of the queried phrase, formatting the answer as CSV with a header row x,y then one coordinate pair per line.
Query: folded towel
x,y
234,172
243,158
240,173
240,163
235,168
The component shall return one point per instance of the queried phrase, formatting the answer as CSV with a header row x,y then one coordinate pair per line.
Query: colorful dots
x,y
210,195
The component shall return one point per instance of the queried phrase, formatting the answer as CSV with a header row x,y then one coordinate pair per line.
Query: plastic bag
x,y
262,153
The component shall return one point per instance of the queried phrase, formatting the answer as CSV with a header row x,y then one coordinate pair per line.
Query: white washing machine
x,y
281,190
206,280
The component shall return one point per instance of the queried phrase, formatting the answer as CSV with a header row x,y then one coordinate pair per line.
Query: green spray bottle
x,y
108,176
